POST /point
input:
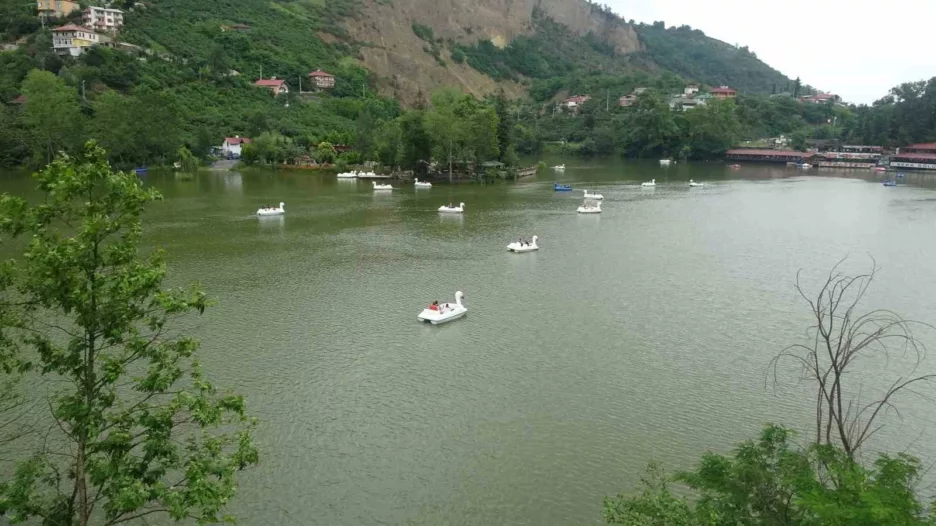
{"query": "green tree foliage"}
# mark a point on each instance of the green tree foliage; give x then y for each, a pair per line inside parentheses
(461, 128)
(187, 161)
(907, 115)
(771, 481)
(711, 129)
(140, 431)
(325, 152)
(690, 54)
(51, 117)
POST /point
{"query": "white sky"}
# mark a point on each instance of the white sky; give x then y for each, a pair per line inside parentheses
(857, 49)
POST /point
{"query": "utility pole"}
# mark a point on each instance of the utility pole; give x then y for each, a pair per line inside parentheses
(608, 102)
(261, 72)
(83, 91)
(300, 84)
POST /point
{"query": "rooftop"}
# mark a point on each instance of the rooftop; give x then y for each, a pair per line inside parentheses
(723, 89)
(270, 82)
(72, 27)
(320, 73)
(923, 146)
(766, 152)
(927, 156)
(237, 140)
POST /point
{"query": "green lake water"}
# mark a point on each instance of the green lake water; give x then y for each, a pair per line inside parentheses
(640, 334)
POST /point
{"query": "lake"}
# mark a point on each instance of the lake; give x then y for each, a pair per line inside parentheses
(640, 334)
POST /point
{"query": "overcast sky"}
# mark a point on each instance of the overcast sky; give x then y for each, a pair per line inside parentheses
(857, 49)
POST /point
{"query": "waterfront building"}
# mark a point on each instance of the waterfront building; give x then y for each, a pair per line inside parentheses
(915, 157)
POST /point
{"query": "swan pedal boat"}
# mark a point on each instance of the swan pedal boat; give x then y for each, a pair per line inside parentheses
(382, 186)
(422, 184)
(452, 209)
(588, 209)
(443, 315)
(693, 184)
(559, 168)
(651, 184)
(594, 197)
(518, 248)
(263, 212)
(347, 175)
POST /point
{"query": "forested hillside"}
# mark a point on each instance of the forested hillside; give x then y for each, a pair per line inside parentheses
(186, 79)
(692, 55)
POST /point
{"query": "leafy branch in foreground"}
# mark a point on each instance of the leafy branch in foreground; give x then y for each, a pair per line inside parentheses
(771, 482)
(138, 430)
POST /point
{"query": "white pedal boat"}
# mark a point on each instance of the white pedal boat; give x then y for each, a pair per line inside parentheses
(590, 209)
(263, 212)
(452, 209)
(446, 311)
(517, 247)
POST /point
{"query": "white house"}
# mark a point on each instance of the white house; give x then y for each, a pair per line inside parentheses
(231, 147)
(103, 18)
(73, 40)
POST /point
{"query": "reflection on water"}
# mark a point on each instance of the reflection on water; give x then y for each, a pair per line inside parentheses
(451, 218)
(271, 222)
(233, 182)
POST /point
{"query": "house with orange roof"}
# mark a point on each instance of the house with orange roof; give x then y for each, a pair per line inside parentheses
(277, 86)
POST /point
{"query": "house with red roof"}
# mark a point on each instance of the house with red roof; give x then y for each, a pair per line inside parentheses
(821, 98)
(322, 80)
(232, 147)
(73, 40)
(277, 86)
(723, 92)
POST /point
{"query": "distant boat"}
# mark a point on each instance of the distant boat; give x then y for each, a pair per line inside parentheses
(141, 170)
(735, 166)
(562, 187)
(899, 175)
(890, 183)
(666, 162)
(559, 168)
(804, 166)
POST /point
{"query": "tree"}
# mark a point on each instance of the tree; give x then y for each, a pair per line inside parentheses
(325, 152)
(415, 145)
(52, 115)
(840, 338)
(140, 431)
(711, 129)
(770, 481)
(187, 161)
(445, 127)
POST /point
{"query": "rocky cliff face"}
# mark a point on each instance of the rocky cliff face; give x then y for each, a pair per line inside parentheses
(394, 52)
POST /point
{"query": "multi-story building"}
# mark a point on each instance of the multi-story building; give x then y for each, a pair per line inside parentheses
(73, 40)
(56, 8)
(103, 18)
(322, 80)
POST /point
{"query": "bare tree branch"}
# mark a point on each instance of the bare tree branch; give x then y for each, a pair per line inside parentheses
(841, 338)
